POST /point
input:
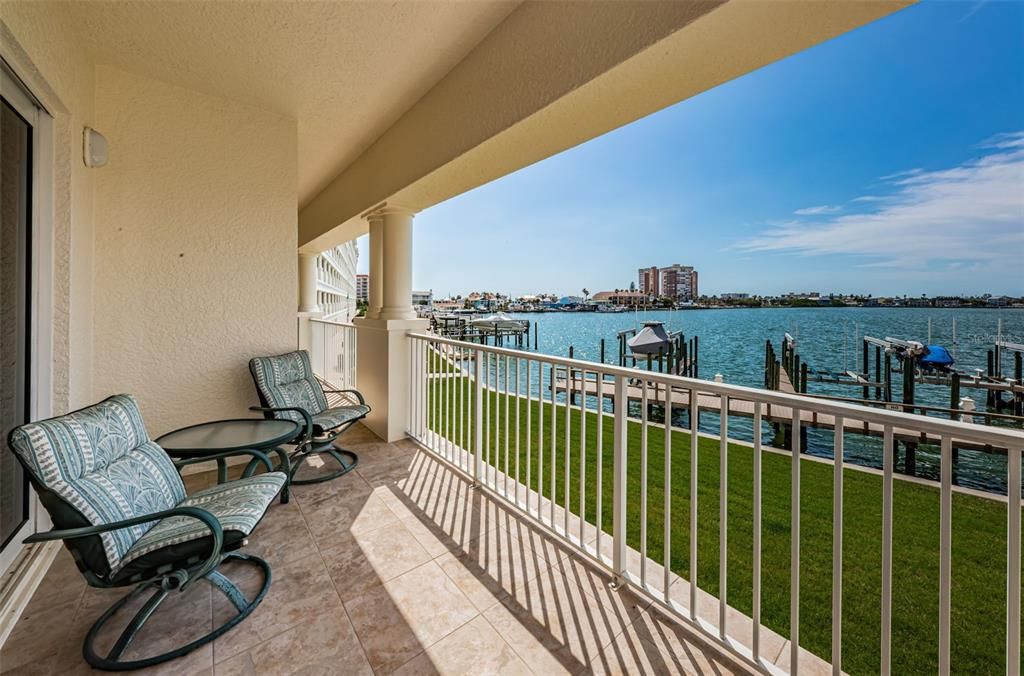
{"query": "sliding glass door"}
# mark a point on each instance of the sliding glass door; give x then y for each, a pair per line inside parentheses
(16, 153)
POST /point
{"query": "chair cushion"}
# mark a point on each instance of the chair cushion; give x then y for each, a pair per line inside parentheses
(238, 505)
(326, 421)
(287, 380)
(101, 463)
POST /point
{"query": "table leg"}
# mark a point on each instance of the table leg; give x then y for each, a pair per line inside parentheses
(286, 467)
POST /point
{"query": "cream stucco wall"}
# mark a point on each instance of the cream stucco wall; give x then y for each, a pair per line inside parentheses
(41, 43)
(195, 248)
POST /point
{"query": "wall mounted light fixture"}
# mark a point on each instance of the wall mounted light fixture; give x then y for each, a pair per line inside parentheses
(94, 148)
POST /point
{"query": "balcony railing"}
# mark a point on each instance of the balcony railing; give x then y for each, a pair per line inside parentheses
(333, 352)
(780, 558)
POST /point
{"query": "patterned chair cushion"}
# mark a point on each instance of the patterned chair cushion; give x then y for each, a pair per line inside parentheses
(327, 420)
(287, 380)
(101, 463)
(238, 505)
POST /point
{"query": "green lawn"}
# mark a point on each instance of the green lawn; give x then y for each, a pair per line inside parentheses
(979, 538)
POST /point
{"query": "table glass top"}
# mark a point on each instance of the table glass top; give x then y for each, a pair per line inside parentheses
(256, 433)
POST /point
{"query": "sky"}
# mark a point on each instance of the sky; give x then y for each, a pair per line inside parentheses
(888, 161)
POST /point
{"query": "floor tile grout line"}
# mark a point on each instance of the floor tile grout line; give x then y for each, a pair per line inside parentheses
(344, 609)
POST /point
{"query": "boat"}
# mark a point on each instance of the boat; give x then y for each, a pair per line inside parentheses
(936, 357)
(651, 339)
(499, 321)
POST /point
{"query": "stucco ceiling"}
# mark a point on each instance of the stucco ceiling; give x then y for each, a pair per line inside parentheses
(346, 71)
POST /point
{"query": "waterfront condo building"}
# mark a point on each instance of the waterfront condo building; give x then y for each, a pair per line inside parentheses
(336, 282)
(650, 282)
(678, 282)
(362, 287)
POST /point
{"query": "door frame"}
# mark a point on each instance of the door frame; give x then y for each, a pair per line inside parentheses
(40, 321)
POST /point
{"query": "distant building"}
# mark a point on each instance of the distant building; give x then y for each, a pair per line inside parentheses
(337, 282)
(734, 296)
(629, 298)
(997, 301)
(423, 299)
(363, 288)
(678, 282)
(650, 282)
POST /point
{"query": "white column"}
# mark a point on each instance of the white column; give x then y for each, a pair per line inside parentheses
(307, 283)
(397, 299)
(382, 343)
(375, 293)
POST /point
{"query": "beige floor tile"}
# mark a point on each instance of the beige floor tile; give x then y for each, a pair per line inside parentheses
(282, 536)
(628, 655)
(738, 625)
(597, 583)
(36, 641)
(491, 566)
(357, 562)
(300, 592)
(61, 584)
(554, 626)
(183, 617)
(350, 513)
(327, 645)
(474, 648)
(397, 621)
(656, 643)
(809, 662)
(349, 486)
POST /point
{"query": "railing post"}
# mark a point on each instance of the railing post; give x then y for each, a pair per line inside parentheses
(478, 417)
(619, 487)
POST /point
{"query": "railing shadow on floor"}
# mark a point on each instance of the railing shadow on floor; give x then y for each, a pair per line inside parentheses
(552, 615)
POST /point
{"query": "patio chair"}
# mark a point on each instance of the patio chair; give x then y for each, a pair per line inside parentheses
(117, 502)
(288, 388)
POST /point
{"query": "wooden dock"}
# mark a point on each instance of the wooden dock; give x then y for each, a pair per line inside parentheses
(771, 413)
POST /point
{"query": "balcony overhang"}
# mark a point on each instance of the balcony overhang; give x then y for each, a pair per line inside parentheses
(554, 75)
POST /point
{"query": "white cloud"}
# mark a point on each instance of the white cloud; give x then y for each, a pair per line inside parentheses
(971, 214)
(817, 211)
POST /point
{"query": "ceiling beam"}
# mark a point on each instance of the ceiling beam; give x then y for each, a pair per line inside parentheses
(554, 75)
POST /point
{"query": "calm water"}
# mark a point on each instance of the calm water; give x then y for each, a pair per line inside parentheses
(732, 343)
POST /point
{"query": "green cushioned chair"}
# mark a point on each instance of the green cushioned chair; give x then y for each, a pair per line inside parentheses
(288, 388)
(117, 502)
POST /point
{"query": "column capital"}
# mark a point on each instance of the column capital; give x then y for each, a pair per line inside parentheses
(390, 209)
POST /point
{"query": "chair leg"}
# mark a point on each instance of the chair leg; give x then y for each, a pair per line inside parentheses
(346, 459)
(113, 662)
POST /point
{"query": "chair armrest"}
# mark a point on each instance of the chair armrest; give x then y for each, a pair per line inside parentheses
(358, 394)
(282, 409)
(208, 519)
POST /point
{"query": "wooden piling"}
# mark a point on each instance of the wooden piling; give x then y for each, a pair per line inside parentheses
(864, 366)
(878, 371)
(908, 384)
(888, 377)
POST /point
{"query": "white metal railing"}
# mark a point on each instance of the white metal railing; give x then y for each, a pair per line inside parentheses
(333, 352)
(494, 413)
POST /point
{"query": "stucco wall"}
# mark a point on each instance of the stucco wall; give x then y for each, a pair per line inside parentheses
(40, 42)
(195, 248)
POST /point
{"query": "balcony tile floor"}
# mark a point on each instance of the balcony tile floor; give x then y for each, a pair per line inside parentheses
(399, 567)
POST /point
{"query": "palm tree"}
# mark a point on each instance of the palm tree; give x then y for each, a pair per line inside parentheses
(586, 294)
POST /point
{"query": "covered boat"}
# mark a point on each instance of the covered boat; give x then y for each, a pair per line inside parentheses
(651, 339)
(936, 357)
(498, 321)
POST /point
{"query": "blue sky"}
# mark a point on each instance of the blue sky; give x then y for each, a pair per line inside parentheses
(889, 160)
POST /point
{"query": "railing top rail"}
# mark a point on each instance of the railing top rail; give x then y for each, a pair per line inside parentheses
(994, 436)
(332, 322)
